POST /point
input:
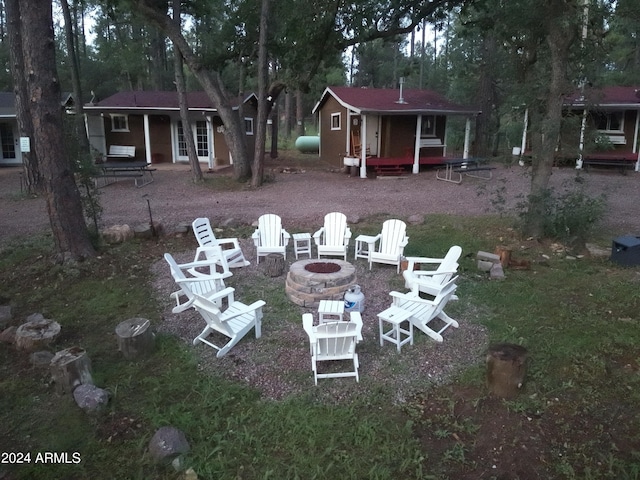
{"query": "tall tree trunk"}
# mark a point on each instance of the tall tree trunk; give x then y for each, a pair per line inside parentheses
(196, 172)
(263, 103)
(234, 133)
(30, 164)
(64, 206)
(72, 54)
(486, 124)
(299, 114)
(275, 127)
(288, 115)
(559, 39)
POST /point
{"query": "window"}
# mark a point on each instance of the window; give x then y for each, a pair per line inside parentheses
(336, 121)
(6, 137)
(248, 125)
(428, 127)
(609, 122)
(119, 123)
(201, 138)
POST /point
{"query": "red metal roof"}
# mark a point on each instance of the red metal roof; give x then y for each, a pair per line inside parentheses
(607, 96)
(387, 100)
(155, 100)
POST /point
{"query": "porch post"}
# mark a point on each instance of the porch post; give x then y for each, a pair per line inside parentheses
(467, 138)
(635, 140)
(348, 119)
(147, 139)
(523, 145)
(583, 128)
(363, 146)
(210, 142)
(416, 146)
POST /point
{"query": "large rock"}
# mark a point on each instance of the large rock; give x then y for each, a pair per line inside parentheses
(117, 233)
(167, 444)
(90, 398)
(8, 335)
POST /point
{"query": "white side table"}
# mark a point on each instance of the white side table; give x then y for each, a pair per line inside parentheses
(398, 335)
(330, 310)
(364, 244)
(302, 244)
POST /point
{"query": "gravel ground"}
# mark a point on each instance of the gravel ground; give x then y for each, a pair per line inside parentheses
(303, 198)
(278, 364)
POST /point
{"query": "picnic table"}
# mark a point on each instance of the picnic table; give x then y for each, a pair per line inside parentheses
(111, 172)
(455, 168)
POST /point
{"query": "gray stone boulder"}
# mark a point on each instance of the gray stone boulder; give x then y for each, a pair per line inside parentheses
(117, 234)
(90, 398)
(167, 444)
(415, 219)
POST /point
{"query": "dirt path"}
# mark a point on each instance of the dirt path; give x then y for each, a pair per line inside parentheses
(303, 198)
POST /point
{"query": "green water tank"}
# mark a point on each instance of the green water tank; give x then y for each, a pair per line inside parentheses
(308, 144)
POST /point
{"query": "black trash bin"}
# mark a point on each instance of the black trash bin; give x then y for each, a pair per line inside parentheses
(626, 250)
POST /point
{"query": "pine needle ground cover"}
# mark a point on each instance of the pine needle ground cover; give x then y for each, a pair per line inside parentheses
(576, 417)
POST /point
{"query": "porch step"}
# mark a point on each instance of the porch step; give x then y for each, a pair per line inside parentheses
(389, 170)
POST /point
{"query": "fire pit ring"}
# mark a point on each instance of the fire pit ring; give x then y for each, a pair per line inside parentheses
(306, 287)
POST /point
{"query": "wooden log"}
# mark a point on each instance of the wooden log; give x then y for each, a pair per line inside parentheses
(36, 334)
(273, 265)
(69, 368)
(506, 366)
(135, 338)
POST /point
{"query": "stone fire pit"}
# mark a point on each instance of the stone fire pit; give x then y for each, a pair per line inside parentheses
(312, 280)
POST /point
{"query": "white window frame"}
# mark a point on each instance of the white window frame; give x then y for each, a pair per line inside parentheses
(608, 116)
(248, 125)
(337, 115)
(125, 119)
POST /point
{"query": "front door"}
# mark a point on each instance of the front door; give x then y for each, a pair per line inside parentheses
(200, 134)
(8, 144)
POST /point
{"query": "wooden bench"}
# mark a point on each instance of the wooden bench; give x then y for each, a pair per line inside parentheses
(122, 151)
(622, 164)
(430, 142)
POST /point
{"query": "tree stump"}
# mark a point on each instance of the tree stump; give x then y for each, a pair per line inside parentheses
(506, 365)
(37, 334)
(69, 368)
(135, 338)
(273, 265)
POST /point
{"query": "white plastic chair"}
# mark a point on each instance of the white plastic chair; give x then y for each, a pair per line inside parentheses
(389, 244)
(270, 237)
(332, 239)
(431, 281)
(192, 282)
(333, 341)
(424, 311)
(206, 238)
(234, 322)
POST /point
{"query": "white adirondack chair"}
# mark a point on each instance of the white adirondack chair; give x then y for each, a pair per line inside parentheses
(270, 237)
(333, 341)
(192, 282)
(431, 281)
(389, 244)
(233, 323)
(333, 238)
(424, 311)
(206, 238)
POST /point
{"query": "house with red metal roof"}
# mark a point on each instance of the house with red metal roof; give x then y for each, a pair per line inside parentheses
(609, 119)
(150, 122)
(388, 130)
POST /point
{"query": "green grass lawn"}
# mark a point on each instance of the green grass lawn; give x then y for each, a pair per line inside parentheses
(578, 318)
